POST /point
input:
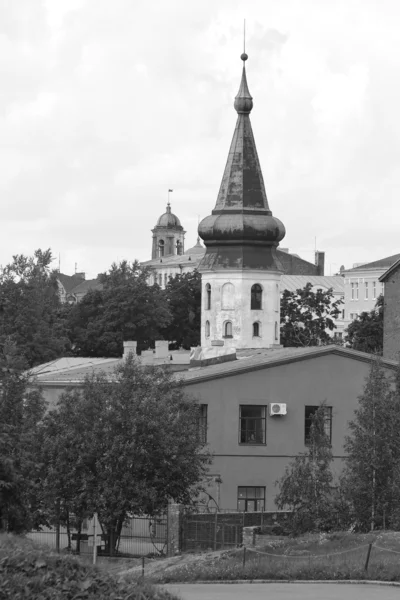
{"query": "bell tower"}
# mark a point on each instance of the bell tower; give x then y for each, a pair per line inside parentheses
(241, 271)
(168, 235)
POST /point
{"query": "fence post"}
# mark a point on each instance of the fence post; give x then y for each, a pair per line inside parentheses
(244, 556)
(142, 567)
(174, 517)
(223, 536)
(94, 539)
(215, 530)
(58, 528)
(368, 555)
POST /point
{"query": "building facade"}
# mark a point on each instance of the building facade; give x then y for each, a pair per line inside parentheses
(391, 312)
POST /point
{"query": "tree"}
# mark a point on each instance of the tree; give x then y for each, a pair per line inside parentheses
(307, 315)
(30, 308)
(306, 487)
(183, 293)
(366, 332)
(20, 422)
(127, 308)
(124, 446)
(372, 474)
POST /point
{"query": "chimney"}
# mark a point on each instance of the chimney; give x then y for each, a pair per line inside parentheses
(80, 275)
(128, 348)
(320, 262)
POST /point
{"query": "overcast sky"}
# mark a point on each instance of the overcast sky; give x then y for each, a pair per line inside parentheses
(105, 104)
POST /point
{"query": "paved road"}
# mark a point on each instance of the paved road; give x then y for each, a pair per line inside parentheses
(284, 591)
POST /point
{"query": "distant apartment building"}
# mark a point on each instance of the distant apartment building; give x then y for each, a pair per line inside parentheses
(362, 287)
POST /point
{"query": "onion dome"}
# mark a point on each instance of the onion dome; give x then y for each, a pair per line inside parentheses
(168, 219)
(242, 216)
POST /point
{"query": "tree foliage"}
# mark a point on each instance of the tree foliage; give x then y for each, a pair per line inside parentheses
(366, 332)
(306, 486)
(183, 293)
(20, 418)
(127, 308)
(372, 474)
(124, 445)
(306, 315)
(30, 308)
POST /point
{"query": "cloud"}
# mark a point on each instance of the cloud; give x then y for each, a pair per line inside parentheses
(107, 105)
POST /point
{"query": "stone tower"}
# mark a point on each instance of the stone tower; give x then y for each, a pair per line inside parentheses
(240, 270)
(168, 235)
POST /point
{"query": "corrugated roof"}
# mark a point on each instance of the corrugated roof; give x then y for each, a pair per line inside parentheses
(383, 263)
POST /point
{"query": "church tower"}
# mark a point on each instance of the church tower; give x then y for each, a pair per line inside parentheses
(168, 236)
(240, 270)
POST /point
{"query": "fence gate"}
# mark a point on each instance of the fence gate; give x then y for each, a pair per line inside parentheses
(210, 532)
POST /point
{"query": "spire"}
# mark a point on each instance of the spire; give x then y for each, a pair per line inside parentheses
(242, 215)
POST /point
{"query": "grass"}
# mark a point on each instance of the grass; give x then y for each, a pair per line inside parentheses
(30, 572)
(324, 557)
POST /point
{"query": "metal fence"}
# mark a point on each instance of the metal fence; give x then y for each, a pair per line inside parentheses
(140, 536)
(208, 529)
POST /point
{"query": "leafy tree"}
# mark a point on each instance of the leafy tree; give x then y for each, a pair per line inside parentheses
(20, 417)
(366, 332)
(306, 487)
(183, 293)
(124, 446)
(307, 315)
(372, 475)
(127, 308)
(30, 308)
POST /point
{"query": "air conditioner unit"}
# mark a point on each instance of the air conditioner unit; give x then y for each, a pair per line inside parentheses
(276, 409)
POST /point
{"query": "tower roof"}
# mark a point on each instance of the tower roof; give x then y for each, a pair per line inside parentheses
(242, 216)
(168, 219)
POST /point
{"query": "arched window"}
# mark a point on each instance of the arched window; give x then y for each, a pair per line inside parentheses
(208, 296)
(276, 331)
(207, 329)
(256, 296)
(160, 280)
(161, 248)
(228, 329)
(228, 296)
(256, 329)
(178, 247)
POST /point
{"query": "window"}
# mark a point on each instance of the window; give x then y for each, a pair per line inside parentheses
(309, 413)
(208, 296)
(366, 290)
(338, 335)
(256, 297)
(207, 328)
(251, 499)
(357, 290)
(161, 248)
(343, 314)
(276, 331)
(160, 280)
(374, 290)
(256, 329)
(178, 248)
(203, 423)
(228, 329)
(352, 291)
(228, 296)
(252, 424)
(165, 279)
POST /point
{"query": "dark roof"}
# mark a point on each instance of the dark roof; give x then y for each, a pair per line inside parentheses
(85, 286)
(391, 270)
(254, 360)
(383, 263)
(69, 281)
(72, 371)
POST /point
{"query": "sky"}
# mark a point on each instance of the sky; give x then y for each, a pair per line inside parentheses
(105, 105)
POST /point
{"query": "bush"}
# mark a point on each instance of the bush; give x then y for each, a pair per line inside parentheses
(33, 573)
